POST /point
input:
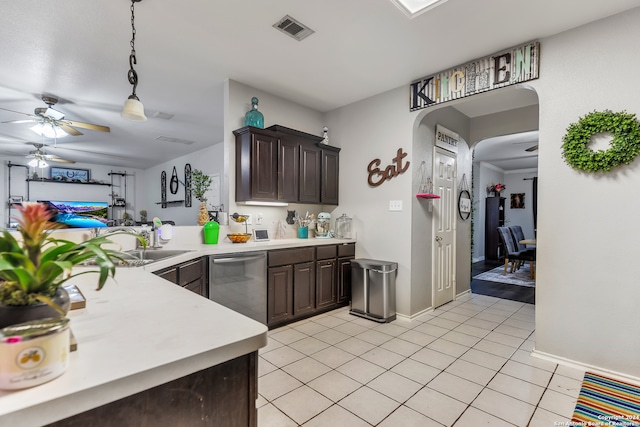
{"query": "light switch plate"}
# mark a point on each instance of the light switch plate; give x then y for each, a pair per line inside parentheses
(395, 205)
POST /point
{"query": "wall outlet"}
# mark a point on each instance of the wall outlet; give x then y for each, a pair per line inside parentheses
(259, 218)
(395, 205)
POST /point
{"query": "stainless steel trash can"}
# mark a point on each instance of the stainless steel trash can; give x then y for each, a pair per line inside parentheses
(373, 289)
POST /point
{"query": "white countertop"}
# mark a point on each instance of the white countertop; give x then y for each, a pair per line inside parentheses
(141, 331)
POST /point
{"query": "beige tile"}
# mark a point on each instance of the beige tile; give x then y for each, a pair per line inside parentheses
(495, 348)
(437, 406)
(302, 404)
(454, 316)
(401, 346)
(355, 346)
(528, 345)
(473, 417)
(527, 325)
(374, 337)
(482, 323)
(369, 405)
(276, 383)
(471, 371)
(513, 331)
(265, 367)
(504, 339)
(565, 385)
(288, 336)
(491, 317)
(406, 417)
(460, 338)
(527, 373)
(261, 401)
(392, 329)
(443, 323)
(544, 418)
(282, 356)
(417, 337)
(482, 358)
(448, 347)
(456, 387)
(310, 328)
(328, 321)
(431, 329)
(361, 370)
(333, 357)
(558, 403)
(306, 369)
(466, 311)
(350, 328)
(433, 358)
(309, 345)
(504, 407)
(336, 416)
(331, 336)
(382, 357)
(334, 385)
(525, 357)
(416, 371)
(270, 416)
(395, 386)
(474, 331)
(567, 371)
(517, 388)
(271, 345)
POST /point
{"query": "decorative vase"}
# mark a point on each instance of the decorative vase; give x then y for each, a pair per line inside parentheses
(203, 214)
(254, 117)
(303, 232)
(14, 314)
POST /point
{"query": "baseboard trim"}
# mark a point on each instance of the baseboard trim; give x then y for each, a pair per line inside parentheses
(584, 366)
(413, 316)
(468, 291)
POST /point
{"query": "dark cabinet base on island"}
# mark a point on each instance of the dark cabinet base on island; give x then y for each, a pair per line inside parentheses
(223, 395)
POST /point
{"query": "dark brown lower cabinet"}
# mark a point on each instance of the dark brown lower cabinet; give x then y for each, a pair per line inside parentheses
(223, 395)
(326, 283)
(191, 275)
(279, 294)
(344, 279)
(304, 284)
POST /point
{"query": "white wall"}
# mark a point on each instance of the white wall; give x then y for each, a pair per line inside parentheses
(486, 174)
(210, 160)
(587, 289)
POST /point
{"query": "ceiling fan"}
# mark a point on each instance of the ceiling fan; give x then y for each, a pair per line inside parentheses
(51, 123)
(39, 155)
(532, 148)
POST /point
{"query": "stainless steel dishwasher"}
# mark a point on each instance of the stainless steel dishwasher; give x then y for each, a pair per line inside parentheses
(239, 281)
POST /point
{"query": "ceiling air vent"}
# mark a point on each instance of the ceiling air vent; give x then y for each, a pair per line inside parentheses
(293, 28)
(175, 140)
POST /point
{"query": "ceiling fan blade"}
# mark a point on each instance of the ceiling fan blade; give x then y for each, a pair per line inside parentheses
(23, 121)
(89, 126)
(533, 148)
(68, 129)
(17, 112)
(50, 158)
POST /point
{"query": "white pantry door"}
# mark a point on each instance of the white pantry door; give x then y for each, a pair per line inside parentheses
(444, 227)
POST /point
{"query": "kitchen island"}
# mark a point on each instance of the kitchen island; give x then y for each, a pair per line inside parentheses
(153, 344)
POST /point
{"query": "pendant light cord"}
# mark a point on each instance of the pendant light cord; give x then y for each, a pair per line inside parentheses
(132, 75)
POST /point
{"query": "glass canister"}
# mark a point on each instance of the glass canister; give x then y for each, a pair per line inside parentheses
(343, 227)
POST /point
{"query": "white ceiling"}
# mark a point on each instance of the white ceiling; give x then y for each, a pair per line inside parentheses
(78, 50)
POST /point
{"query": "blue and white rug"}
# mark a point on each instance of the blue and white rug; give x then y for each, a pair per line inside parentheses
(520, 277)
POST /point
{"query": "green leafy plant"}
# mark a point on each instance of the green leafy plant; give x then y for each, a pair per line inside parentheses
(200, 184)
(34, 267)
(625, 145)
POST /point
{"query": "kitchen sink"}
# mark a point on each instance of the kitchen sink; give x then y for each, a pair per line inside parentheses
(139, 257)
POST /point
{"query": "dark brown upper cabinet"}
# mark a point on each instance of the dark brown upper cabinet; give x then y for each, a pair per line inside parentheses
(285, 165)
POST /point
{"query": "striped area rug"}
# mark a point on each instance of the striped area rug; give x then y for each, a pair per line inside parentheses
(607, 402)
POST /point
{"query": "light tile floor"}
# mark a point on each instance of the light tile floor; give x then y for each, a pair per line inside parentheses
(466, 363)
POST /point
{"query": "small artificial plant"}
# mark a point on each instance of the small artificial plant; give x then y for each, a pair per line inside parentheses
(200, 185)
(34, 267)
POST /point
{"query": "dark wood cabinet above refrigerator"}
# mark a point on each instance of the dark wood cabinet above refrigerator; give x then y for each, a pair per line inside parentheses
(279, 164)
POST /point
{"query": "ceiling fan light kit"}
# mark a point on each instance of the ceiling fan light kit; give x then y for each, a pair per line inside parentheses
(38, 163)
(49, 130)
(133, 108)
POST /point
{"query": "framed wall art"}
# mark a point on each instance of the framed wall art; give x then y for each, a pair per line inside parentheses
(68, 174)
(517, 200)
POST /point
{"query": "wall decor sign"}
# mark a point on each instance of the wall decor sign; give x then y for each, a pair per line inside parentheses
(68, 174)
(187, 185)
(378, 176)
(515, 65)
(447, 139)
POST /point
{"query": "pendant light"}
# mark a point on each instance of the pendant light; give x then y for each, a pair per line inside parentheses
(133, 108)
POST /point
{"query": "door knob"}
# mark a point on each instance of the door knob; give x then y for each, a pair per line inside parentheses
(438, 239)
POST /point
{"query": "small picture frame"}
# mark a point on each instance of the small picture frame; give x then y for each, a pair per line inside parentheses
(260, 234)
(517, 201)
(69, 174)
(15, 199)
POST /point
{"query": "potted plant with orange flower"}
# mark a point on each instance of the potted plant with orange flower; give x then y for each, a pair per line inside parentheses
(34, 267)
